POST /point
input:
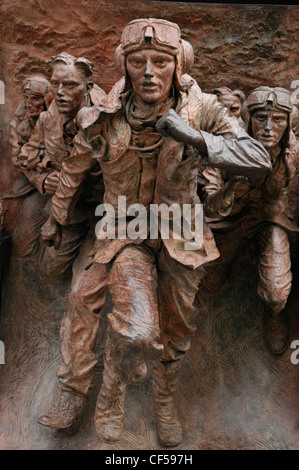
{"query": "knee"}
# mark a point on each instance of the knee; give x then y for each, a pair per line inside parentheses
(275, 298)
(136, 333)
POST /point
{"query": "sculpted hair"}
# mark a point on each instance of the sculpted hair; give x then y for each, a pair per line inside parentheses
(81, 62)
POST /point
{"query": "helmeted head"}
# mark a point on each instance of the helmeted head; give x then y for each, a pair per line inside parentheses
(158, 35)
(70, 81)
(269, 115)
(231, 99)
(37, 95)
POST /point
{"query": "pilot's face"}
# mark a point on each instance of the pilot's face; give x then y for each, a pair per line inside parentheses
(69, 86)
(268, 126)
(151, 73)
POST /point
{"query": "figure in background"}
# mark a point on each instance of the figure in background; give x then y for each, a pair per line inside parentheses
(232, 100)
(23, 199)
(257, 209)
(149, 143)
(50, 143)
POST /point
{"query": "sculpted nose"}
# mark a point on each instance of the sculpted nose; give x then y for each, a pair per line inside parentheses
(268, 124)
(60, 89)
(148, 70)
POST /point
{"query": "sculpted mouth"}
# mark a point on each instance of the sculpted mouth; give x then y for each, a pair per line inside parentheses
(149, 86)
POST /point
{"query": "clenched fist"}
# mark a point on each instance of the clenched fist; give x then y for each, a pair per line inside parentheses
(51, 182)
(171, 124)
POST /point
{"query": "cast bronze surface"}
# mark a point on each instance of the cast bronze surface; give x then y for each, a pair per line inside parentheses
(232, 393)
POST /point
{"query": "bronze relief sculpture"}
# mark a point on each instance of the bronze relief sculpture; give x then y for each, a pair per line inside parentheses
(258, 209)
(155, 141)
(50, 142)
(37, 98)
(149, 138)
(232, 100)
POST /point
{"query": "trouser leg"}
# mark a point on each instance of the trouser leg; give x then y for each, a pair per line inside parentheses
(275, 277)
(275, 280)
(176, 291)
(177, 287)
(81, 321)
(134, 320)
(79, 329)
(24, 221)
(133, 335)
(78, 336)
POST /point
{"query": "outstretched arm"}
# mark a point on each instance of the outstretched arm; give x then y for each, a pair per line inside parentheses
(220, 141)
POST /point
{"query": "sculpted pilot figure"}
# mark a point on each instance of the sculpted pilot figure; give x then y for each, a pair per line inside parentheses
(149, 159)
(51, 142)
(258, 209)
(24, 199)
(232, 100)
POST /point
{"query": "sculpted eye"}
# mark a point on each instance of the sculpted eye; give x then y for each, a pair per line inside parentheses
(54, 83)
(161, 62)
(136, 62)
(261, 117)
